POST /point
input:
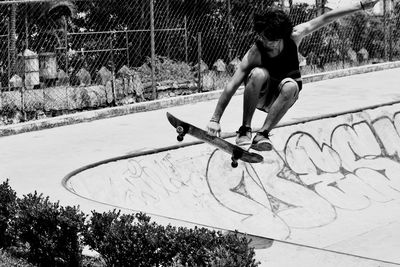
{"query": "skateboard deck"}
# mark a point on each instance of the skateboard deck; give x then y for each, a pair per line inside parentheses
(236, 152)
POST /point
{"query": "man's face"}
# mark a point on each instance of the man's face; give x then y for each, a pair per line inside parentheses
(269, 44)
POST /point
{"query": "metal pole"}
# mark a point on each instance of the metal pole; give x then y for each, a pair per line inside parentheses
(153, 54)
(385, 41)
(229, 31)
(127, 48)
(186, 41)
(66, 51)
(112, 35)
(13, 38)
(142, 24)
(390, 37)
(199, 60)
(167, 33)
(66, 62)
(9, 53)
(26, 30)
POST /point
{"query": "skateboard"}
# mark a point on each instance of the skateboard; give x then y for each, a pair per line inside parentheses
(236, 152)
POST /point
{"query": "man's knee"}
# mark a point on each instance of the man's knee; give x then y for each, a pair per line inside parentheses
(290, 91)
(259, 75)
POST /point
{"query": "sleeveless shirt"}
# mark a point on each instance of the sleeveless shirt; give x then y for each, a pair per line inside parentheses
(284, 65)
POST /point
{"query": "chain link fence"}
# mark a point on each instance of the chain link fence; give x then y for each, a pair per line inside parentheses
(64, 56)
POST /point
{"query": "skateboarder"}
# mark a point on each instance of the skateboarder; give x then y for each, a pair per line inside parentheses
(270, 72)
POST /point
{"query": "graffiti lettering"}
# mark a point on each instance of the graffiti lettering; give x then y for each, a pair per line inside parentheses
(305, 183)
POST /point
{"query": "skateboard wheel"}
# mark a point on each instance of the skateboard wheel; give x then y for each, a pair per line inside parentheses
(179, 138)
(234, 164)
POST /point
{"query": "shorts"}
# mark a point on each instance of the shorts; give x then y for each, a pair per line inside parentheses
(270, 92)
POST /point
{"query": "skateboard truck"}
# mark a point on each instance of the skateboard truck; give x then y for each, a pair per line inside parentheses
(236, 155)
(181, 133)
(234, 162)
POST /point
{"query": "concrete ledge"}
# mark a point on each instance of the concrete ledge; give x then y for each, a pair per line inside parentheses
(165, 103)
(350, 71)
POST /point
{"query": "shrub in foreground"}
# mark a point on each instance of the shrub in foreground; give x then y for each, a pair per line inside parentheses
(48, 234)
(131, 240)
(203, 247)
(8, 209)
(7, 260)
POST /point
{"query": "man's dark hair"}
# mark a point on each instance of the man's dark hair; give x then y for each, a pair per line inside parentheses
(274, 23)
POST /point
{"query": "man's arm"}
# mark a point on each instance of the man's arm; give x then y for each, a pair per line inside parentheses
(243, 69)
(304, 29)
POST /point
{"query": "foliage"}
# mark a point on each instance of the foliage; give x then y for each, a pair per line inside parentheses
(233, 251)
(7, 260)
(166, 69)
(8, 207)
(90, 261)
(203, 247)
(128, 240)
(132, 240)
(48, 234)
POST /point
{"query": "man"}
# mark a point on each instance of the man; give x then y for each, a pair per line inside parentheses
(270, 72)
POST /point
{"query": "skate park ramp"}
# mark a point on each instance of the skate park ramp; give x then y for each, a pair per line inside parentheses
(327, 195)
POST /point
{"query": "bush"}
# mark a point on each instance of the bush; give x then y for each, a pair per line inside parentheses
(233, 251)
(131, 240)
(8, 207)
(48, 235)
(203, 247)
(8, 260)
(128, 240)
(165, 69)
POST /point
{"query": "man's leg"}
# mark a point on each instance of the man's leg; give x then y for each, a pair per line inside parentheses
(288, 95)
(256, 81)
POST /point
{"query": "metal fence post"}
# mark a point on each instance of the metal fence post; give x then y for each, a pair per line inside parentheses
(229, 31)
(152, 42)
(127, 49)
(13, 38)
(66, 50)
(199, 60)
(8, 53)
(186, 41)
(26, 30)
(112, 35)
(385, 31)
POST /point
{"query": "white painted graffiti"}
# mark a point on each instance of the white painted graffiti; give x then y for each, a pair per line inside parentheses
(307, 182)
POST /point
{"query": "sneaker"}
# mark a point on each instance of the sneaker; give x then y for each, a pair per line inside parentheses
(243, 136)
(261, 142)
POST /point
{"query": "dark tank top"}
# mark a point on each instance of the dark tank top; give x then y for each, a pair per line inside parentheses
(284, 65)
